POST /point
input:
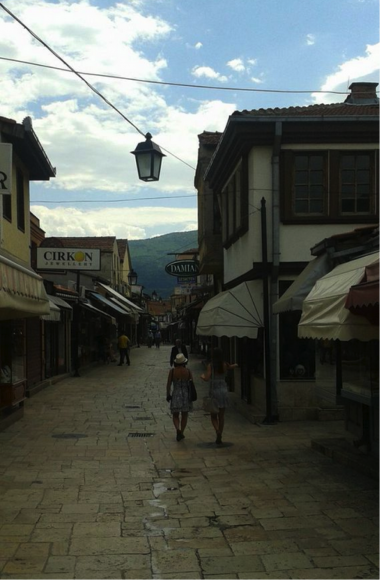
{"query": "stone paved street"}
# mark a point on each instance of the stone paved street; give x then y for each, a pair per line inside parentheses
(94, 485)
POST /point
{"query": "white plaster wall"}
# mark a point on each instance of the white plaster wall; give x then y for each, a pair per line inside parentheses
(239, 258)
(295, 240)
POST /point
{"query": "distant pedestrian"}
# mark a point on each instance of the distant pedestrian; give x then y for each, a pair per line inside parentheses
(123, 344)
(157, 339)
(218, 392)
(179, 398)
(178, 348)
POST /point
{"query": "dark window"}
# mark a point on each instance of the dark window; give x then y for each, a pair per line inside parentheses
(355, 183)
(235, 205)
(20, 200)
(297, 355)
(7, 207)
(216, 215)
(329, 186)
(309, 184)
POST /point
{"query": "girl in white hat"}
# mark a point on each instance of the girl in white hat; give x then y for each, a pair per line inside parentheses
(180, 401)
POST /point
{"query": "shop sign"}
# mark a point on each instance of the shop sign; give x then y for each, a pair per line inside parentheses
(186, 281)
(68, 259)
(183, 268)
(5, 168)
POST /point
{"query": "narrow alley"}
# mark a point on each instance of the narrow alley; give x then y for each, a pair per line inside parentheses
(94, 485)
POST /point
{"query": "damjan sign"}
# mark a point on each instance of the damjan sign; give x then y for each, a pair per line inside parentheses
(68, 259)
(183, 268)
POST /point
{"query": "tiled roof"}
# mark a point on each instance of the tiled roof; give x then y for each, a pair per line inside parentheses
(6, 120)
(208, 138)
(121, 245)
(186, 252)
(157, 308)
(100, 243)
(334, 110)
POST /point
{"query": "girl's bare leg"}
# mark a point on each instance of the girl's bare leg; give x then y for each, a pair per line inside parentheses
(184, 421)
(221, 420)
(215, 421)
(176, 420)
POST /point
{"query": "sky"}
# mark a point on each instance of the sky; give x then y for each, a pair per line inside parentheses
(318, 46)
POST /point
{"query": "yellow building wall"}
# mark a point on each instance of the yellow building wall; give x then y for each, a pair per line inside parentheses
(15, 241)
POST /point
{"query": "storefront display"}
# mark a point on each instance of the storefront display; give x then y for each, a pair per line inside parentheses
(12, 363)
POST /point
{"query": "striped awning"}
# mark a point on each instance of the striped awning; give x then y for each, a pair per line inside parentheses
(22, 292)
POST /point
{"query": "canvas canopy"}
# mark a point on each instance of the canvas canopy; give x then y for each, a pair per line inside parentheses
(119, 297)
(324, 314)
(22, 292)
(236, 312)
(293, 298)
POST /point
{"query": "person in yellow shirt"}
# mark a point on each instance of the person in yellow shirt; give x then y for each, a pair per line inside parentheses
(123, 344)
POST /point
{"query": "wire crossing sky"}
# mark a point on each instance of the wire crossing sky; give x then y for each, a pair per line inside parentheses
(174, 69)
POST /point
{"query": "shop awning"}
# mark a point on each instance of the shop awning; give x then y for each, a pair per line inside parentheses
(126, 308)
(363, 298)
(119, 296)
(91, 308)
(22, 292)
(55, 313)
(108, 303)
(324, 314)
(235, 312)
(59, 302)
(293, 298)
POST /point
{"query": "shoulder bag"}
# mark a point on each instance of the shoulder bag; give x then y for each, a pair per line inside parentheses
(192, 390)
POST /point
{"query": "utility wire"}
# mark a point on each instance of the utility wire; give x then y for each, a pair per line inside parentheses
(166, 83)
(86, 82)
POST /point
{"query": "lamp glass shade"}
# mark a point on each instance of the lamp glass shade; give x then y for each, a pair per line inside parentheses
(148, 159)
(132, 278)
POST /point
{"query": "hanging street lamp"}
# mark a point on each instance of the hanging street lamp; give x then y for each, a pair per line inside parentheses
(148, 159)
(132, 278)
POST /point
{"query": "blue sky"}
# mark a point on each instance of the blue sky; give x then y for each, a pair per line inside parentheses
(297, 45)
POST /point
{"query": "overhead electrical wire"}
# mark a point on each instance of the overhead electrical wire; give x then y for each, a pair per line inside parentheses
(86, 82)
(166, 83)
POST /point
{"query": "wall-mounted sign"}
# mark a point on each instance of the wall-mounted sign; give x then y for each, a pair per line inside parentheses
(68, 259)
(183, 268)
(5, 168)
(186, 281)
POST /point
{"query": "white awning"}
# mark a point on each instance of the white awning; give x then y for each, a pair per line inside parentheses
(55, 313)
(119, 297)
(235, 312)
(91, 308)
(324, 314)
(293, 298)
(59, 302)
(22, 292)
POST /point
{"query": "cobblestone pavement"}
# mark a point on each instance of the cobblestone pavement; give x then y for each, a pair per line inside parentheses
(93, 484)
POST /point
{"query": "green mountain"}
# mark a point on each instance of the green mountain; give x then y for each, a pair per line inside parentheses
(149, 258)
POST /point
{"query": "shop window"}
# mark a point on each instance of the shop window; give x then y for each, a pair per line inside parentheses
(12, 351)
(297, 355)
(360, 369)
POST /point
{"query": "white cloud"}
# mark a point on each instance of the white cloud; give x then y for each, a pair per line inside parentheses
(198, 45)
(236, 64)
(257, 80)
(208, 72)
(119, 222)
(310, 39)
(365, 68)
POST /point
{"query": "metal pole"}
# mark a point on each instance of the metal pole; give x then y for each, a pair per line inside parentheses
(76, 330)
(267, 350)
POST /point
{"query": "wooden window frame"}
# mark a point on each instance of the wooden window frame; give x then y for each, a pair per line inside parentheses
(236, 226)
(332, 212)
